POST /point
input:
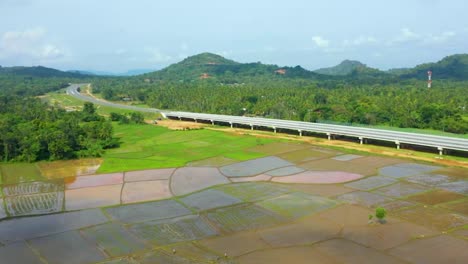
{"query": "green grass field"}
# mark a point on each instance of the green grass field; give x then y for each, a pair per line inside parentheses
(147, 146)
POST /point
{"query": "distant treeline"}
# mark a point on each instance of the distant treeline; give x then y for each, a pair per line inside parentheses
(406, 103)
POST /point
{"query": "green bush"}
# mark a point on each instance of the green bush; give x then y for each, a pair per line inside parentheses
(380, 213)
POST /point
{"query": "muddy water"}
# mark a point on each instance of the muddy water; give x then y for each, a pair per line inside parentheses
(69, 168)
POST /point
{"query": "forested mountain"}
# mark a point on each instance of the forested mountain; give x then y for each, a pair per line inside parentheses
(39, 71)
(453, 67)
(345, 67)
(215, 67)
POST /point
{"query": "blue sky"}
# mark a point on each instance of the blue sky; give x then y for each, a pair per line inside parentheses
(118, 35)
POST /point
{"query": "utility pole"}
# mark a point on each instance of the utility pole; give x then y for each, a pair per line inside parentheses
(429, 79)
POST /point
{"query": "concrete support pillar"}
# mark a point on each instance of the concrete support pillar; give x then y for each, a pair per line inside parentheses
(230, 124)
(361, 140)
(329, 136)
(195, 120)
(251, 127)
(397, 144)
(274, 129)
(441, 151)
(212, 122)
(300, 133)
(180, 118)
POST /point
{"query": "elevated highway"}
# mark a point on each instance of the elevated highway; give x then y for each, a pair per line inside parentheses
(441, 143)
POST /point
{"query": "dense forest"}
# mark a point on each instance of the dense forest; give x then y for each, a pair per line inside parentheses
(209, 83)
(31, 130)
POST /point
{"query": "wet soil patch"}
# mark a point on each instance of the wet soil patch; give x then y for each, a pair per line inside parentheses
(436, 197)
(440, 249)
(135, 213)
(69, 246)
(371, 183)
(254, 167)
(169, 231)
(296, 205)
(243, 217)
(209, 199)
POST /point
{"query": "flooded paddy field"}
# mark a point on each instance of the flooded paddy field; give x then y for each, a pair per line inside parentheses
(294, 203)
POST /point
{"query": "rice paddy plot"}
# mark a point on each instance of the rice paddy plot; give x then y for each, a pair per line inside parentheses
(209, 199)
(439, 249)
(307, 231)
(33, 187)
(418, 167)
(37, 226)
(436, 197)
(169, 231)
(458, 186)
(279, 147)
(252, 191)
(371, 183)
(148, 175)
(347, 157)
(18, 252)
(135, 213)
(382, 237)
(397, 172)
(344, 251)
(402, 189)
(309, 154)
(145, 191)
(33, 204)
(428, 179)
(114, 239)
(236, 244)
(285, 171)
(160, 256)
(366, 199)
(458, 206)
(296, 205)
(193, 252)
(254, 167)
(397, 205)
(92, 197)
(67, 247)
(432, 217)
(244, 217)
(190, 179)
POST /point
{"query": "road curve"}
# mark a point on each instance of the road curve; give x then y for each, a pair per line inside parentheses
(439, 142)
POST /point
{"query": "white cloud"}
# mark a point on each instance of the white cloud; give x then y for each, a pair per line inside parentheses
(320, 41)
(361, 40)
(444, 36)
(406, 35)
(155, 55)
(30, 46)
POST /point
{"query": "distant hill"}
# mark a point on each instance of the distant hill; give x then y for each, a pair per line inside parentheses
(39, 71)
(132, 72)
(213, 66)
(451, 67)
(350, 67)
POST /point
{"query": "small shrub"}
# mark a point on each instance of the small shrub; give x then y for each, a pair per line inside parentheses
(380, 213)
(370, 217)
